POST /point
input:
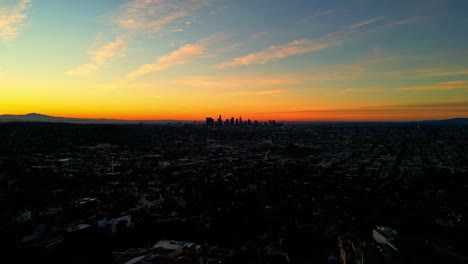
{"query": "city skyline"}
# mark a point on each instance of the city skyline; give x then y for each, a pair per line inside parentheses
(299, 60)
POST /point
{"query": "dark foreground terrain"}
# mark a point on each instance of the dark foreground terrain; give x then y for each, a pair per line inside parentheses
(323, 193)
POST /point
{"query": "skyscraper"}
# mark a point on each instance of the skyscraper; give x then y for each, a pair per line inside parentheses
(210, 121)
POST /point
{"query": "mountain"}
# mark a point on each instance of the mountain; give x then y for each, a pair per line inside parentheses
(33, 117)
(450, 121)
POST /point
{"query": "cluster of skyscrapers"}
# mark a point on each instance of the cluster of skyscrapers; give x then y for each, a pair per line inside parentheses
(210, 122)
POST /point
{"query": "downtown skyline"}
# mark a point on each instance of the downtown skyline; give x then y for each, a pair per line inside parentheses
(293, 60)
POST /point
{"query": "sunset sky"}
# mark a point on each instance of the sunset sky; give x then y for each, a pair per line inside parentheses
(260, 59)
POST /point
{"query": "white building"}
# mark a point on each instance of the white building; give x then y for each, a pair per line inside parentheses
(385, 235)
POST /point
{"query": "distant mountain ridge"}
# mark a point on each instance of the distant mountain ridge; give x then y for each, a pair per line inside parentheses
(34, 117)
(450, 121)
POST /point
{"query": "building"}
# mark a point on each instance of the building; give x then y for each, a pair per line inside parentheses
(385, 235)
(170, 251)
(209, 121)
(351, 251)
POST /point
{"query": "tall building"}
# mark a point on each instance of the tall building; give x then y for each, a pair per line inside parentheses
(220, 121)
(231, 123)
(209, 121)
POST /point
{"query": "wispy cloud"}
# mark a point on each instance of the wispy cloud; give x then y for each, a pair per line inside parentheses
(351, 90)
(429, 72)
(151, 16)
(431, 107)
(277, 52)
(258, 35)
(367, 22)
(145, 17)
(239, 81)
(323, 13)
(100, 57)
(303, 46)
(180, 56)
(273, 93)
(12, 19)
(440, 86)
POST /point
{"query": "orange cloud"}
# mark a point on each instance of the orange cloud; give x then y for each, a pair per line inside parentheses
(440, 86)
(303, 46)
(429, 72)
(179, 56)
(351, 90)
(235, 81)
(272, 92)
(12, 20)
(460, 107)
(277, 52)
(101, 56)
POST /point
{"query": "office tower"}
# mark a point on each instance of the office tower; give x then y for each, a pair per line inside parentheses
(209, 121)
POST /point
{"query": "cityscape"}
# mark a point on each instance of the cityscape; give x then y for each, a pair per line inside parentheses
(191, 193)
(234, 131)
(210, 122)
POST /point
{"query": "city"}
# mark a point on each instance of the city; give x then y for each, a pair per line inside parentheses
(183, 193)
(234, 131)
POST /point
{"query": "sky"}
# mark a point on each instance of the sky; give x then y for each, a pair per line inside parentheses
(291, 60)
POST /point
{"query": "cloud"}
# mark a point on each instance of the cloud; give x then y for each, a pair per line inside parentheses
(151, 16)
(272, 92)
(277, 52)
(180, 56)
(12, 20)
(303, 46)
(100, 57)
(143, 17)
(351, 90)
(440, 86)
(340, 72)
(429, 72)
(258, 35)
(322, 14)
(367, 22)
(424, 108)
(238, 81)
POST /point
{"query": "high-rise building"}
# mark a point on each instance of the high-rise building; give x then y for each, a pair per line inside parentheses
(220, 121)
(209, 121)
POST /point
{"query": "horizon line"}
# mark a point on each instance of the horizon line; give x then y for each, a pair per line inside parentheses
(204, 120)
